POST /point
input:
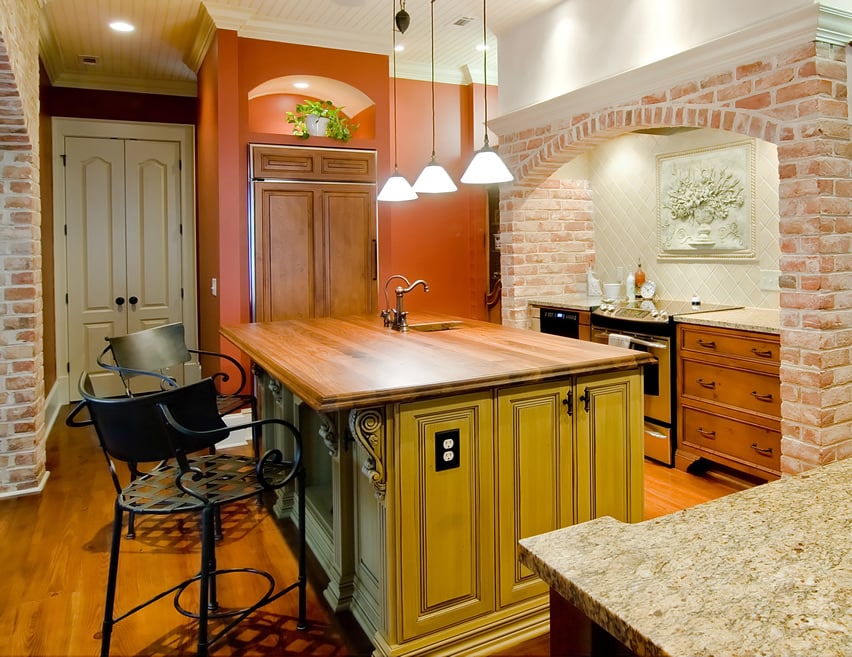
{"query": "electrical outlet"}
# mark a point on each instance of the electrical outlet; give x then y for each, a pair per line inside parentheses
(446, 450)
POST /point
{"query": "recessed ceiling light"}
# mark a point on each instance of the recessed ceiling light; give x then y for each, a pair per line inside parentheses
(121, 26)
(399, 47)
(301, 85)
(480, 47)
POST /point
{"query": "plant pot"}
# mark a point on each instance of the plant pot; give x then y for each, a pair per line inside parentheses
(316, 125)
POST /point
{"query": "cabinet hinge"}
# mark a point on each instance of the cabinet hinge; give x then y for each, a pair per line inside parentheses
(68, 367)
(181, 293)
(63, 156)
(66, 298)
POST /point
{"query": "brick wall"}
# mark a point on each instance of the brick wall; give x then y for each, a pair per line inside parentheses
(22, 431)
(797, 100)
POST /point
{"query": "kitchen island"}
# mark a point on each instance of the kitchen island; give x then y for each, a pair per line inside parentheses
(766, 571)
(441, 447)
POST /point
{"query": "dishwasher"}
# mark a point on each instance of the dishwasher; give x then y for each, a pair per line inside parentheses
(560, 322)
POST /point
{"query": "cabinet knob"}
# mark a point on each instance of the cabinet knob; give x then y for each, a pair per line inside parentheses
(706, 433)
(761, 450)
(707, 384)
(133, 300)
(707, 344)
(119, 301)
(763, 354)
(568, 402)
(764, 398)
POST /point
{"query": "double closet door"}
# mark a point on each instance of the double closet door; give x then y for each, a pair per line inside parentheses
(315, 250)
(123, 243)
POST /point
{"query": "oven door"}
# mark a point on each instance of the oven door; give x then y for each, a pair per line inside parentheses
(658, 382)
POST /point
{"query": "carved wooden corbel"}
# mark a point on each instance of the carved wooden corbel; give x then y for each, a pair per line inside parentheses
(328, 433)
(368, 427)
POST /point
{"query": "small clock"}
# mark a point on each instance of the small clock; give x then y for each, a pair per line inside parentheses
(648, 289)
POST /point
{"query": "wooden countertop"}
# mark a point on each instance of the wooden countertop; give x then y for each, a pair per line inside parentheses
(339, 363)
(766, 571)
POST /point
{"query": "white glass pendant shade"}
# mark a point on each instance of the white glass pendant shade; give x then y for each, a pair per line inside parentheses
(434, 179)
(486, 168)
(397, 189)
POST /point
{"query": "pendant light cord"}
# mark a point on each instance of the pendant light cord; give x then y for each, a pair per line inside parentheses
(432, 37)
(393, 31)
(485, 70)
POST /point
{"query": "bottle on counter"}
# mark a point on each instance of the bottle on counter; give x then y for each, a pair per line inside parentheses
(630, 286)
(639, 276)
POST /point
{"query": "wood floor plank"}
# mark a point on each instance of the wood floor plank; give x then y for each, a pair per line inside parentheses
(54, 554)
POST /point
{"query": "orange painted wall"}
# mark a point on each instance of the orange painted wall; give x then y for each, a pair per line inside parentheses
(440, 239)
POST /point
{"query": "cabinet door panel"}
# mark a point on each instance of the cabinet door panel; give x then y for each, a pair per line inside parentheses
(609, 447)
(534, 478)
(285, 279)
(350, 242)
(445, 518)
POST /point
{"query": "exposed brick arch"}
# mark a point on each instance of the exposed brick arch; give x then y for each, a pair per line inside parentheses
(797, 100)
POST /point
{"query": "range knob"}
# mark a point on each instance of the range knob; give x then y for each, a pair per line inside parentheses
(664, 315)
(655, 313)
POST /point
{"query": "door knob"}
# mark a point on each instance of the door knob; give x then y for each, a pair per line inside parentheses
(119, 301)
(133, 301)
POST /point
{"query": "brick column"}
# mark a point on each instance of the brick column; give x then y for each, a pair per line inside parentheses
(22, 424)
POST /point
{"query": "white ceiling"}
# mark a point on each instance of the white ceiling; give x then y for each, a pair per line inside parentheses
(163, 53)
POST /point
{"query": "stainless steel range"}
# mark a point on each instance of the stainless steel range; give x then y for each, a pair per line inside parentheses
(648, 325)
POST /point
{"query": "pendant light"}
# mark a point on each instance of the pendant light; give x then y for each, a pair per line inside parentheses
(396, 188)
(434, 179)
(486, 168)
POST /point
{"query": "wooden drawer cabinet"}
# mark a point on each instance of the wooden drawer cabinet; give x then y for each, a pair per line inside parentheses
(727, 438)
(729, 399)
(752, 391)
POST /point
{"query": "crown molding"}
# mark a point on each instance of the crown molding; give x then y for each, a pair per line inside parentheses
(108, 83)
(204, 34)
(779, 33)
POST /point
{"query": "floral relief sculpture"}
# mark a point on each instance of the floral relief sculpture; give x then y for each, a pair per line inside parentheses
(704, 202)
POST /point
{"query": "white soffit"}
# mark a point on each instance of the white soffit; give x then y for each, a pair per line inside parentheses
(788, 30)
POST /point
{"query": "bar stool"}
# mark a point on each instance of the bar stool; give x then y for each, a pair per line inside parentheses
(168, 426)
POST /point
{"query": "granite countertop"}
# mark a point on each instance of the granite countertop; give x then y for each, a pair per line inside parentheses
(765, 572)
(765, 320)
(567, 302)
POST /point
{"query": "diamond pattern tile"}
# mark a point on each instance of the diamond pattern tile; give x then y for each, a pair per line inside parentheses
(623, 181)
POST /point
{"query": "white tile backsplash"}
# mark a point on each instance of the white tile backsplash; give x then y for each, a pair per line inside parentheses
(622, 174)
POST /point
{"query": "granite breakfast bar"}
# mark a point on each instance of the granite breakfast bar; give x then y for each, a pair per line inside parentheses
(763, 572)
(441, 447)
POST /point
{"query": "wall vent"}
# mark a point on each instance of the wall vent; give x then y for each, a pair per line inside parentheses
(89, 60)
(464, 20)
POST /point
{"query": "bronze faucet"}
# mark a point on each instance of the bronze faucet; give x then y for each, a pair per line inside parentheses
(396, 317)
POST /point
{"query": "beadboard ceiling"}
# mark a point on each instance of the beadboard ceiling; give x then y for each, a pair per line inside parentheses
(163, 54)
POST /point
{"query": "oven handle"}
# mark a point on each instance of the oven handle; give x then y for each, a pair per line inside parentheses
(648, 343)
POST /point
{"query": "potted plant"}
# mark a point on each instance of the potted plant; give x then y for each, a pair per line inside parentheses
(320, 118)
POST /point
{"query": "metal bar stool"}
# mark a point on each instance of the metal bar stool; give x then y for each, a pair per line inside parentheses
(169, 426)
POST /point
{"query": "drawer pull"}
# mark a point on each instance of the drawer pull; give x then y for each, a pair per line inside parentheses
(707, 344)
(761, 450)
(764, 398)
(708, 384)
(706, 433)
(762, 354)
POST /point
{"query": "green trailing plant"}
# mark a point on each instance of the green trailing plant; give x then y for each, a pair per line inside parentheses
(339, 127)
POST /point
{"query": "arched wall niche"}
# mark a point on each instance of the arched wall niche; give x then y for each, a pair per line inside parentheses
(269, 102)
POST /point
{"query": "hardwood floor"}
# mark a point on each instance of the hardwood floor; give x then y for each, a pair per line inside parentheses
(54, 551)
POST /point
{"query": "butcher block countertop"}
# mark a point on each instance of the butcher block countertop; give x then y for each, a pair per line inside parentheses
(763, 572)
(351, 362)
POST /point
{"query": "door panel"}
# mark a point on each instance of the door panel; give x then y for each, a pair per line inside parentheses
(284, 248)
(123, 216)
(349, 241)
(153, 233)
(95, 203)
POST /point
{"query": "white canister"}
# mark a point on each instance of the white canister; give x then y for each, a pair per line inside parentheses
(612, 290)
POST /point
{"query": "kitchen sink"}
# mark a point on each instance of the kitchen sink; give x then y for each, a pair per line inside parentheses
(435, 326)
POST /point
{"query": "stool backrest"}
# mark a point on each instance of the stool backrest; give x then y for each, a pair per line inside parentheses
(151, 350)
(133, 429)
